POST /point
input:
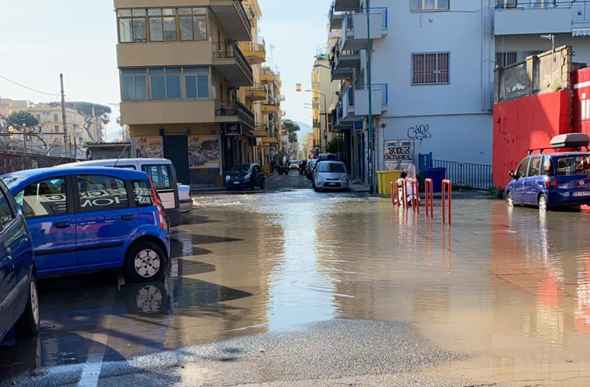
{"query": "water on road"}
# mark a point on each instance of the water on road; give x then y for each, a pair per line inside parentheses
(506, 290)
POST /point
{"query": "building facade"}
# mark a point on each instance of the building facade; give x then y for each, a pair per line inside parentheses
(181, 69)
(432, 71)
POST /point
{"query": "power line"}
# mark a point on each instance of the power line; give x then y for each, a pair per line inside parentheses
(27, 87)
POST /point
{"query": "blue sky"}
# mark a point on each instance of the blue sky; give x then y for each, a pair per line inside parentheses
(40, 39)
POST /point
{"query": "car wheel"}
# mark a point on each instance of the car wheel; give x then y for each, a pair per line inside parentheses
(28, 323)
(145, 262)
(542, 203)
(509, 200)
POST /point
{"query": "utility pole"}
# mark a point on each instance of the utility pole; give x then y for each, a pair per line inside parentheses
(63, 114)
(370, 90)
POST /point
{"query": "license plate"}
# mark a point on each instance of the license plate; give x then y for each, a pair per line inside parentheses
(581, 194)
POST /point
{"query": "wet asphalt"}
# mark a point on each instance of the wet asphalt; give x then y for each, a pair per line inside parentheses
(291, 287)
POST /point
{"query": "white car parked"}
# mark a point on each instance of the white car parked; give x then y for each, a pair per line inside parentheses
(330, 175)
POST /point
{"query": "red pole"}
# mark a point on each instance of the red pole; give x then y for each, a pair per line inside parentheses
(447, 194)
(405, 192)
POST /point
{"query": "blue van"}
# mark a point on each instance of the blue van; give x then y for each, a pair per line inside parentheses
(89, 219)
(549, 181)
(19, 305)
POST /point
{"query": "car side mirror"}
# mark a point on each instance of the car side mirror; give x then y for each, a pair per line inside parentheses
(513, 175)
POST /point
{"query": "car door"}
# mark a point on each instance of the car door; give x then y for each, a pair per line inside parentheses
(103, 217)
(47, 205)
(531, 187)
(7, 269)
(518, 187)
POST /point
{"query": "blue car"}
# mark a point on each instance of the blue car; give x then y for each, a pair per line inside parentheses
(89, 219)
(549, 181)
(19, 306)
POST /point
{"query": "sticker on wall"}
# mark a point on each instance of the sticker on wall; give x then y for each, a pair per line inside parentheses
(204, 152)
(150, 147)
(398, 153)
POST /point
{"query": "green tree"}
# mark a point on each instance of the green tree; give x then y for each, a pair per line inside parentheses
(23, 120)
(292, 128)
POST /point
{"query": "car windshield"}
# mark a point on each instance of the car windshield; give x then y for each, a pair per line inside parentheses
(241, 169)
(573, 166)
(332, 168)
(10, 180)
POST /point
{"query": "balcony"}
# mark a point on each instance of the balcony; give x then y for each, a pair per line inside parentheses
(267, 76)
(256, 93)
(231, 63)
(234, 113)
(346, 5)
(233, 19)
(344, 62)
(532, 17)
(167, 112)
(261, 131)
(355, 33)
(269, 107)
(379, 101)
(254, 52)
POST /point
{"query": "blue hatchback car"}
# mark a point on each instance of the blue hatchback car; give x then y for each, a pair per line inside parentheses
(550, 181)
(19, 306)
(89, 219)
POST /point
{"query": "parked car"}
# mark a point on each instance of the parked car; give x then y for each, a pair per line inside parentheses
(294, 164)
(19, 305)
(86, 219)
(245, 176)
(331, 175)
(310, 169)
(327, 157)
(176, 197)
(554, 180)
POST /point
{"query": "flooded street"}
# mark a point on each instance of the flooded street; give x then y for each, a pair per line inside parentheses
(259, 281)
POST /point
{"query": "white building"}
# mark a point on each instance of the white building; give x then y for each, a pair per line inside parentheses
(433, 67)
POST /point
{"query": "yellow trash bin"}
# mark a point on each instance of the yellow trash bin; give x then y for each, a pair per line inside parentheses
(385, 178)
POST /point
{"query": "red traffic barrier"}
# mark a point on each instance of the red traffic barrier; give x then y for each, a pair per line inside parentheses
(447, 202)
(429, 197)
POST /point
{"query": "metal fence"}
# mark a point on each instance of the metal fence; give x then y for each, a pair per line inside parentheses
(13, 161)
(469, 175)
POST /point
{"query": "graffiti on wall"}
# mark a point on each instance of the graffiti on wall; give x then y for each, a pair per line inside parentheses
(204, 152)
(150, 147)
(419, 132)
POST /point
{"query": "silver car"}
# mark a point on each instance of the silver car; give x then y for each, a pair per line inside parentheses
(330, 175)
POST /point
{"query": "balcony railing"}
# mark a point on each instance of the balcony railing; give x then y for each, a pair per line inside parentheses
(242, 12)
(236, 110)
(233, 52)
(509, 4)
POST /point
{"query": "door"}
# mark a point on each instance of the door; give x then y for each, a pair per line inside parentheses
(533, 181)
(176, 150)
(518, 184)
(7, 270)
(103, 217)
(46, 206)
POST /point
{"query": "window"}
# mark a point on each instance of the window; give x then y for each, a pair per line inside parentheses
(197, 83)
(522, 168)
(573, 166)
(55, 117)
(143, 194)
(160, 175)
(332, 168)
(165, 83)
(169, 22)
(192, 23)
(535, 168)
(430, 69)
(132, 25)
(156, 27)
(506, 3)
(6, 215)
(45, 198)
(505, 59)
(133, 84)
(102, 193)
(429, 5)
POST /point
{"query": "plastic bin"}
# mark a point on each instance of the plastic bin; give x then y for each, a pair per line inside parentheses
(437, 175)
(384, 179)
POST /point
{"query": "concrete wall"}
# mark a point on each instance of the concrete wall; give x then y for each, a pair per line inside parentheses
(525, 45)
(533, 21)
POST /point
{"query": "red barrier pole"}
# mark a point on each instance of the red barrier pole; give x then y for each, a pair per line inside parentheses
(447, 195)
(416, 193)
(429, 197)
(405, 192)
(394, 193)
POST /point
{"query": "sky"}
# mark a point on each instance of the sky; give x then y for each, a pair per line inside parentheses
(41, 39)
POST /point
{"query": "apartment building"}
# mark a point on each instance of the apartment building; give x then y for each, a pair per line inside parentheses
(432, 71)
(181, 69)
(324, 99)
(272, 114)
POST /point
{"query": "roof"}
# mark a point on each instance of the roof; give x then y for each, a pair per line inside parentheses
(18, 180)
(119, 162)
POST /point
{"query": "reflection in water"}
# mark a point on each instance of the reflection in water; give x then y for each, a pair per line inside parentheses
(509, 285)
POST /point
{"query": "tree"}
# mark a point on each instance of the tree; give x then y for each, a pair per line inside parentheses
(292, 128)
(22, 120)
